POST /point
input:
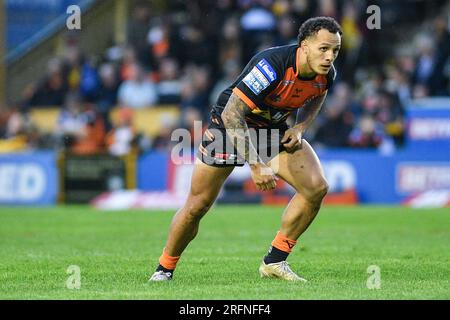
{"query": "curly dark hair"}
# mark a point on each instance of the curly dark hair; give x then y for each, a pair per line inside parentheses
(313, 25)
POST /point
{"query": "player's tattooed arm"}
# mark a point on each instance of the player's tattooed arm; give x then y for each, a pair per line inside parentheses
(233, 117)
(309, 112)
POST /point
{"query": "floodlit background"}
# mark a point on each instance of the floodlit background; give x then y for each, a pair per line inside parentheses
(129, 73)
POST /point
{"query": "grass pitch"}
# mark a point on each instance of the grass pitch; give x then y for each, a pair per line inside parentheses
(117, 251)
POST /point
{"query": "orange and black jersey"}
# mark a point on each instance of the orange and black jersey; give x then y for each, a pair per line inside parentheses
(271, 86)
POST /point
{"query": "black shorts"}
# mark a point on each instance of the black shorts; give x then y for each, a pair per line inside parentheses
(217, 149)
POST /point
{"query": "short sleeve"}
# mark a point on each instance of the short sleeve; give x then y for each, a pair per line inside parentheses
(258, 79)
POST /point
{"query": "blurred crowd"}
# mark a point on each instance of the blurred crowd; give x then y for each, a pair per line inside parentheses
(186, 52)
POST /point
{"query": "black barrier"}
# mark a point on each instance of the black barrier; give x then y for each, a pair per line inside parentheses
(84, 177)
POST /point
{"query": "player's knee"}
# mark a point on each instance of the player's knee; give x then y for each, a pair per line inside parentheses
(198, 207)
(319, 191)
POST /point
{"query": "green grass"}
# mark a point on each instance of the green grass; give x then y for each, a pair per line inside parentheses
(117, 251)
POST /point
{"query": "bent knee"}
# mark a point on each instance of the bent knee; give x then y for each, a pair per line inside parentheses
(320, 190)
(198, 207)
(317, 191)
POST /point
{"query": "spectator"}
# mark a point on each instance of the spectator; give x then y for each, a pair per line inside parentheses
(107, 93)
(158, 39)
(338, 124)
(80, 130)
(169, 86)
(366, 134)
(71, 121)
(287, 30)
(122, 138)
(391, 116)
(352, 42)
(440, 79)
(89, 81)
(302, 10)
(195, 48)
(425, 63)
(281, 7)
(4, 116)
(398, 85)
(138, 92)
(230, 47)
(14, 137)
(328, 8)
(129, 60)
(92, 140)
(72, 64)
(195, 90)
(162, 141)
(369, 95)
(190, 120)
(137, 32)
(230, 71)
(52, 89)
(257, 23)
(16, 124)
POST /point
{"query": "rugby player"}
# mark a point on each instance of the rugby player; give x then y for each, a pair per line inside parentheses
(275, 83)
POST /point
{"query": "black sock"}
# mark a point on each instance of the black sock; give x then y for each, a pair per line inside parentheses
(161, 268)
(275, 255)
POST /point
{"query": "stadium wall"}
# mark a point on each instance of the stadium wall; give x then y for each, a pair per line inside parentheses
(376, 176)
(28, 179)
(32, 178)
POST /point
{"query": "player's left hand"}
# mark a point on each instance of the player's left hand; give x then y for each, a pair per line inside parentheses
(292, 139)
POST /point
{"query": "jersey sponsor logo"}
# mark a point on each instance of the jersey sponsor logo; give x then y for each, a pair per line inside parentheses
(267, 69)
(256, 81)
(259, 75)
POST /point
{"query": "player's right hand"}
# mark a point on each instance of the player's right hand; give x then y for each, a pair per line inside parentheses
(263, 177)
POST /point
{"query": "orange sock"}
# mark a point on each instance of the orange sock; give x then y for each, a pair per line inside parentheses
(282, 243)
(167, 261)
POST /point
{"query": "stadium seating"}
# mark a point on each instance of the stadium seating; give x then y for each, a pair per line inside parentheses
(45, 119)
(150, 121)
